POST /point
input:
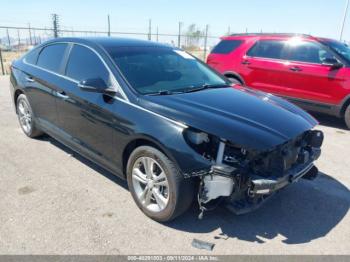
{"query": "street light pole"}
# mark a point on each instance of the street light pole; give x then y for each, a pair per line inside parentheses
(344, 19)
(149, 29)
(109, 26)
(205, 42)
(179, 36)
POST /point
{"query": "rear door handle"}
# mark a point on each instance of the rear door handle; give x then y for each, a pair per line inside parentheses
(295, 69)
(30, 79)
(246, 62)
(62, 94)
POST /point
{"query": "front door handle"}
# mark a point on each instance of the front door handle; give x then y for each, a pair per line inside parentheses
(246, 62)
(295, 69)
(30, 79)
(62, 94)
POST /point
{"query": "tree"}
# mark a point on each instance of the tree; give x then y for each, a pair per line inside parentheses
(193, 36)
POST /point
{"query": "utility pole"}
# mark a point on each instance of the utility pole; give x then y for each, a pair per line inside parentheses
(157, 35)
(56, 24)
(19, 39)
(149, 29)
(2, 63)
(34, 36)
(206, 41)
(179, 36)
(109, 26)
(228, 30)
(344, 19)
(30, 34)
(8, 37)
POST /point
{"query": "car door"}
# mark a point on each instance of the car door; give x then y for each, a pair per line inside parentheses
(85, 117)
(263, 66)
(42, 80)
(308, 78)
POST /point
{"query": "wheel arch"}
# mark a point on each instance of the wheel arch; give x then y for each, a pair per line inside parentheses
(16, 94)
(234, 75)
(344, 105)
(143, 140)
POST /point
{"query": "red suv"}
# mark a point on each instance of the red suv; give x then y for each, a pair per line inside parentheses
(310, 71)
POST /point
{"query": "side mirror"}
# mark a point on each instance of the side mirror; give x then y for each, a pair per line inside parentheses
(96, 85)
(332, 62)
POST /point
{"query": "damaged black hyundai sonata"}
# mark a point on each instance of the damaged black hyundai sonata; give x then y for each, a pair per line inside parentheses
(157, 116)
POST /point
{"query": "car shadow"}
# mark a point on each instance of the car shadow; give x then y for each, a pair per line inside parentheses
(121, 182)
(302, 212)
(299, 214)
(330, 121)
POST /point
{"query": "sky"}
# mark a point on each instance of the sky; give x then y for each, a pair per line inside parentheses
(316, 17)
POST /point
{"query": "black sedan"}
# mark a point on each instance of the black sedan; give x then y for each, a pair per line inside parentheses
(170, 125)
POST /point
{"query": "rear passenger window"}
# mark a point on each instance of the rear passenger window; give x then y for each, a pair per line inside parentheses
(268, 49)
(226, 46)
(50, 57)
(84, 64)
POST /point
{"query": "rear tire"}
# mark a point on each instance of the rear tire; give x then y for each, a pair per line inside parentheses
(347, 117)
(161, 201)
(26, 117)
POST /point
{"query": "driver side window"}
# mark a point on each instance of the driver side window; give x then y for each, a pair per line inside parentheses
(308, 52)
(84, 64)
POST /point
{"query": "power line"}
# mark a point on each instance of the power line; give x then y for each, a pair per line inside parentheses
(344, 19)
(98, 32)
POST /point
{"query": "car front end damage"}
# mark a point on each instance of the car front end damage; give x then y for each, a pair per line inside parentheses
(244, 178)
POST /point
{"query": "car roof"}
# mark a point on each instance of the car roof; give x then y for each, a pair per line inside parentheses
(108, 41)
(266, 36)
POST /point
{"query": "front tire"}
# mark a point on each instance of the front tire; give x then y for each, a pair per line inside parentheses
(156, 184)
(26, 117)
(347, 117)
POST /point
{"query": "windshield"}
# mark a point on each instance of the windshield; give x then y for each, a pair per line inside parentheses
(162, 70)
(340, 48)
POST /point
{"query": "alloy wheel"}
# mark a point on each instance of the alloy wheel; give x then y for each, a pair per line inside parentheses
(150, 184)
(25, 116)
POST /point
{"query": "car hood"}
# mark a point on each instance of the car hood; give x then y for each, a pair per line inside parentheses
(251, 119)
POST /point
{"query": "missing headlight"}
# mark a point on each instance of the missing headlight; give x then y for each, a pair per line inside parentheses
(234, 155)
(197, 138)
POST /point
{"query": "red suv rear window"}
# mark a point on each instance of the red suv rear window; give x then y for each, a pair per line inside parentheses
(226, 46)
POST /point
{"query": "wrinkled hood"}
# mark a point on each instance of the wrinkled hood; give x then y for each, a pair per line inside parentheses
(251, 119)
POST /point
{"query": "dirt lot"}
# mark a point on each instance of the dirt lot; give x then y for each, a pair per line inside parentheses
(53, 201)
(8, 57)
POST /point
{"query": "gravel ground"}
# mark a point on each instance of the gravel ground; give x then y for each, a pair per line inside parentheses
(52, 201)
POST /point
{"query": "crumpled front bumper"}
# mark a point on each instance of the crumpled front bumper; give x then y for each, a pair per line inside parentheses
(262, 186)
(307, 170)
(262, 189)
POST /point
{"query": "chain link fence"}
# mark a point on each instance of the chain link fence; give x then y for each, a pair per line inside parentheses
(15, 41)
